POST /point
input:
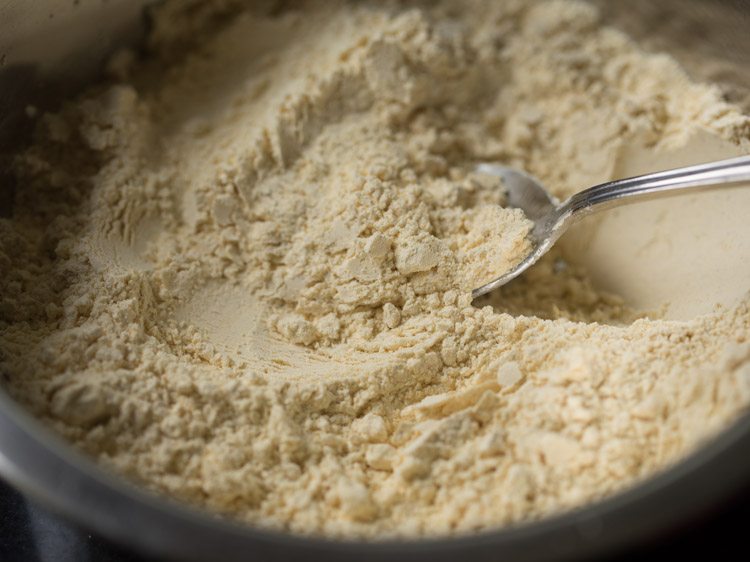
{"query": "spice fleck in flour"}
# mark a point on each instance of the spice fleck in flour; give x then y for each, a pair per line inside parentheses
(240, 273)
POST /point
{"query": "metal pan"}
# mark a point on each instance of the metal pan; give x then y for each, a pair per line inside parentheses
(47, 49)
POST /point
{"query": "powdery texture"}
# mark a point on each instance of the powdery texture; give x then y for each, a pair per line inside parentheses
(241, 276)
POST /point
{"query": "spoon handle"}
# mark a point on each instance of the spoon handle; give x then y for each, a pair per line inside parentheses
(700, 177)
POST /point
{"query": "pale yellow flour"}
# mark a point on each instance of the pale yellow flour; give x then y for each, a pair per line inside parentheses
(239, 273)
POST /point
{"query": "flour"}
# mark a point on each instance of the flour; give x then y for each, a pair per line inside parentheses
(241, 275)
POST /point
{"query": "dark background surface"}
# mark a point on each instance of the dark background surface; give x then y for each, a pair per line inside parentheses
(28, 533)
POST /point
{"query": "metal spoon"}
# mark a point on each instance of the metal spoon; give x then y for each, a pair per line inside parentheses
(552, 218)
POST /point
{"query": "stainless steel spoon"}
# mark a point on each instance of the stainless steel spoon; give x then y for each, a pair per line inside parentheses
(552, 218)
